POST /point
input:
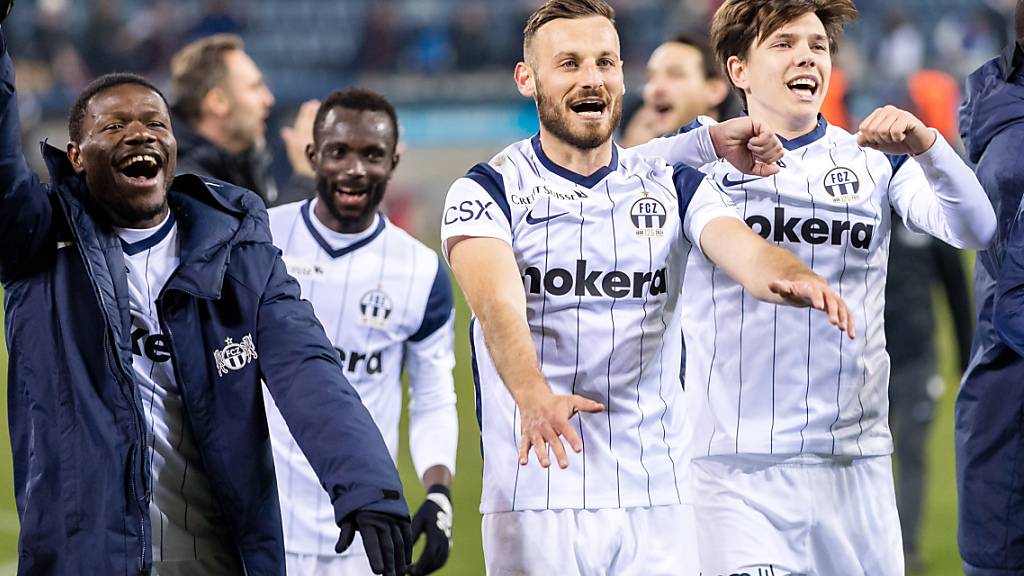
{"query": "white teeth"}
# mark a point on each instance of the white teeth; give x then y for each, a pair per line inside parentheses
(137, 158)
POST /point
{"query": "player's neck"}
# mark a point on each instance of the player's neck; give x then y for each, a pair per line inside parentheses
(787, 126)
(581, 161)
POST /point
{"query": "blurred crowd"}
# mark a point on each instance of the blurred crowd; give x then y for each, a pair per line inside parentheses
(61, 44)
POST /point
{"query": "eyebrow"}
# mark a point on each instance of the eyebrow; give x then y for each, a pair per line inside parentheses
(792, 35)
(576, 55)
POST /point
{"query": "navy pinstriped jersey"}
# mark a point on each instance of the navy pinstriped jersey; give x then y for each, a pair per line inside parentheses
(188, 529)
(770, 379)
(601, 260)
(385, 301)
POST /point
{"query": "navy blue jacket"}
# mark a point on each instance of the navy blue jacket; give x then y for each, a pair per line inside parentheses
(990, 407)
(75, 415)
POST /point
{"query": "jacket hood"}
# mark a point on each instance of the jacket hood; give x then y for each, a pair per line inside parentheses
(994, 102)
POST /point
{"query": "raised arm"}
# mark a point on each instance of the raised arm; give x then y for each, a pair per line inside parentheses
(26, 212)
(749, 145)
(931, 188)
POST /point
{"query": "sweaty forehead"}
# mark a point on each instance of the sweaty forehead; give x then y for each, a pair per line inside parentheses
(590, 35)
(125, 99)
(347, 124)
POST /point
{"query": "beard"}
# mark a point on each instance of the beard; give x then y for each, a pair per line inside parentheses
(557, 122)
(128, 209)
(135, 213)
(350, 219)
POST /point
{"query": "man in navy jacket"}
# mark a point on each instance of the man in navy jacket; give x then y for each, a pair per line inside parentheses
(990, 407)
(230, 317)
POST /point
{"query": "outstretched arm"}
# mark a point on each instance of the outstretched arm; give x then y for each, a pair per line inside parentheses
(768, 272)
(771, 273)
(331, 425)
(26, 212)
(487, 272)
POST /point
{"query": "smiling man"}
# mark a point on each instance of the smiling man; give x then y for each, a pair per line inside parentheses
(569, 251)
(792, 471)
(142, 313)
(683, 82)
(386, 302)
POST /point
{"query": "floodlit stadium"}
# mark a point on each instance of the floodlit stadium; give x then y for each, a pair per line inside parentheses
(448, 66)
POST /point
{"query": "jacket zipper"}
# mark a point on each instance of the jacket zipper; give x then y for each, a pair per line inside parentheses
(119, 370)
(143, 513)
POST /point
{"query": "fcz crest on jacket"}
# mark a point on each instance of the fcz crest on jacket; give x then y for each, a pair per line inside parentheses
(235, 355)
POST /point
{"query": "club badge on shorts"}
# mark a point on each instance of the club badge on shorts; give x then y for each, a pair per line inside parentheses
(235, 355)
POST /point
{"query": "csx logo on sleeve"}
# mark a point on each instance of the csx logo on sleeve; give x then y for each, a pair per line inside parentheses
(467, 211)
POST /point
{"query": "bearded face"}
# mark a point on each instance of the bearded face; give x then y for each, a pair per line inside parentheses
(585, 119)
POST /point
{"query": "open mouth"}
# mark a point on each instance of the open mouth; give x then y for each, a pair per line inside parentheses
(663, 109)
(140, 168)
(805, 87)
(351, 196)
(589, 108)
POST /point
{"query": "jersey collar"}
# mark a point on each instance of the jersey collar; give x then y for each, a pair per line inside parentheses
(585, 181)
(153, 239)
(810, 137)
(333, 253)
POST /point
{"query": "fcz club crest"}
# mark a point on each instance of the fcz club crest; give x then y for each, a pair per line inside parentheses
(375, 307)
(234, 356)
(649, 216)
(842, 185)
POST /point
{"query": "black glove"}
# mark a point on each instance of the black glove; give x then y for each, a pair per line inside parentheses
(386, 538)
(434, 518)
(5, 9)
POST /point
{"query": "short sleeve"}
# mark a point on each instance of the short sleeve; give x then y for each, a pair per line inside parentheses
(476, 206)
(700, 202)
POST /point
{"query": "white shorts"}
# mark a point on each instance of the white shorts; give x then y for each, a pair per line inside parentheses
(620, 541)
(327, 565)
(800, 515)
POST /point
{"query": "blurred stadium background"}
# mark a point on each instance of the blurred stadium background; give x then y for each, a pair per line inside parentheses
(447, 65)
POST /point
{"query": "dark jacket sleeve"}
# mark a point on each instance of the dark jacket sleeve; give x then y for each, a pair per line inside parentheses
(951, 274)
(324, 413)
(1008, 313)
(26, 214)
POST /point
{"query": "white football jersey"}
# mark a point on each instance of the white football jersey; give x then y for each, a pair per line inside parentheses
(601, 259)
(772, 379)
(184, 516)
(385, 301)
